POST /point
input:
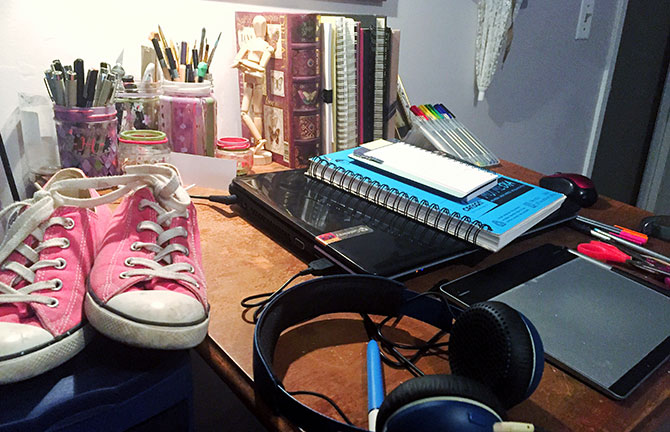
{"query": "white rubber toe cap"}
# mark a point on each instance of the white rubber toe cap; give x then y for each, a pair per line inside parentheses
(15, 338)
(161, 307)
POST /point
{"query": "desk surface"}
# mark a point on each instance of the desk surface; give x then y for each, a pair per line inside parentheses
(328, 355)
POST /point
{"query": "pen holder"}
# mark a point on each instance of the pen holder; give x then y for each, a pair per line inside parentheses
(188, 116)
(138, 106)
(87, 139)
(143, 147)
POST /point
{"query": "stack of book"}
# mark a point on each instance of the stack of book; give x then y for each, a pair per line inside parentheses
(329, 85)
(469, 202)
(359, 72)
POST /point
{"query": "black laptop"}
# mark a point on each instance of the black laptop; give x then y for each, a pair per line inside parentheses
(315, 219)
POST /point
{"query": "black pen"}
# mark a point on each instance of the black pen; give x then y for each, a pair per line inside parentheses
(57, 66)
(79, 70)
(161, 59)
(174, 73)
(91, 80)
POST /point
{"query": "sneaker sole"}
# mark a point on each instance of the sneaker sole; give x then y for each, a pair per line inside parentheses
(37, 362)
(143, 335)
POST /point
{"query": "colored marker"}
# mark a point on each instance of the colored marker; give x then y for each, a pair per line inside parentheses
(375, 383)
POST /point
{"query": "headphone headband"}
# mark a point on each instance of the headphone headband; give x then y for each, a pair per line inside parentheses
(363, 294)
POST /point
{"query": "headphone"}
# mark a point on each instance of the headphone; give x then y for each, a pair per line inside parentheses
(495, 354)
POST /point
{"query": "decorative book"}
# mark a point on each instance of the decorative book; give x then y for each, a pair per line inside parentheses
(492, 220)
(291, 118)
(434, 170)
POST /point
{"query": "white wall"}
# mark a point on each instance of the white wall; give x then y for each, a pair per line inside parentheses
(539, 110)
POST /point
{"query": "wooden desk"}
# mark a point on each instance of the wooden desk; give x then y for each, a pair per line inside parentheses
(328, 355)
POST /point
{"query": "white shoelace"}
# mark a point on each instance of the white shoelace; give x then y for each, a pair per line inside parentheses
(154, 268)
(34, 218)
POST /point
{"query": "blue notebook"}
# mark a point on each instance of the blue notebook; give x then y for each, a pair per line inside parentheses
(491, 220)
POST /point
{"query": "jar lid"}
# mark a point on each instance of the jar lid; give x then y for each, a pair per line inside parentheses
(143, 136)
(233, 143)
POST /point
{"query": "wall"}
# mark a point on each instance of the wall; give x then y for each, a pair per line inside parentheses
(539, 110)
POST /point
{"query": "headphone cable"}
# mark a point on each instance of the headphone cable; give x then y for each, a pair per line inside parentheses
(317, 267)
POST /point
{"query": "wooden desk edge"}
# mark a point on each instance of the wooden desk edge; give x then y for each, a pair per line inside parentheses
(241, 385)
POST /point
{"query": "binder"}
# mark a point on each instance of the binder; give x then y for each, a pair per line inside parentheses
(492, 220)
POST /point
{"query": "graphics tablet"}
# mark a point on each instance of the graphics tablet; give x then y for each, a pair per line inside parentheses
(596, 323)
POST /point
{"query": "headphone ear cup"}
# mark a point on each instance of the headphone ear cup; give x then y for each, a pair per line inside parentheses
(491, 343)
(435, 386)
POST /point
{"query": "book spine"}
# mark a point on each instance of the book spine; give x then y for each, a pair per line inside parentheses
(302, 116)
(398, 201)
(291, 103)
(380, 67)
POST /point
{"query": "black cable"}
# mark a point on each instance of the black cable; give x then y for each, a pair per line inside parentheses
(223, 199)
(326, 398)
(317, 267)
(390, 348)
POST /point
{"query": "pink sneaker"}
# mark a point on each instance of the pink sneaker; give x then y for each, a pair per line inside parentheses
(45, 257)
(147, 286)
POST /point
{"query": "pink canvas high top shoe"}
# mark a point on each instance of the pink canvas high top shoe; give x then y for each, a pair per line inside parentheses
(147, 286)
(46, 255)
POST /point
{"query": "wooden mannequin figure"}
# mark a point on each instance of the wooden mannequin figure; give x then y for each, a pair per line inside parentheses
(252, 59)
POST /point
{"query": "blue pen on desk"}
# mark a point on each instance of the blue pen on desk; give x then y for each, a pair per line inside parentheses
(375, 383)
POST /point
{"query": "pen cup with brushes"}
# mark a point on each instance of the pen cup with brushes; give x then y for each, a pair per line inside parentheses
(188, 116)
(143, 147)
(87, 139)
(138, 105)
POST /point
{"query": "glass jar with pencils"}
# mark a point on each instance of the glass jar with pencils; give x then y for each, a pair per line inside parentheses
(237, 149)
(188, 116)
(138, 105)
(143, 147)
(87, 139)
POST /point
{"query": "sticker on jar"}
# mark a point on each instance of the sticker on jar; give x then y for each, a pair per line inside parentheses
(343, 234)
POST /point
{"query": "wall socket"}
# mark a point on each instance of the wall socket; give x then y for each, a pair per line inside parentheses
(585, 18)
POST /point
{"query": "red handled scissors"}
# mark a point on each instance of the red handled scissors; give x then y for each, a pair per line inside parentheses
(607, 252)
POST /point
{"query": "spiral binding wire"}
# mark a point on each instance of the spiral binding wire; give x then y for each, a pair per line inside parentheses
(400, 202)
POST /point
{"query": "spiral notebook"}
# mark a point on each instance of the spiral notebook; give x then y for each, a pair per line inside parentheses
(437, 171)
(491, 220)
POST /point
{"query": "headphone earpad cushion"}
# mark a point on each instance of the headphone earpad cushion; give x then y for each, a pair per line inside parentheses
(437, 385)
(490, 343)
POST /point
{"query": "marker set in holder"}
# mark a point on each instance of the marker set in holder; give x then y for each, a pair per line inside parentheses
(437, 127)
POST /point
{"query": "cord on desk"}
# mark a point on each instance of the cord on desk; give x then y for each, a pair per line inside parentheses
(326, 398)
(223, 199)
(390, 348)
(317, 268)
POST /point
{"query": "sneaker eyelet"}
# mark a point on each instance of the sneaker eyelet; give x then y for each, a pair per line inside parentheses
(191, 269)
(135, 246)
(197, 285)
(69, 223)
(53, 303)
(66, 243)
(187, 252)
(123, 275)
(129, 263)
(61, 264)
(59, 285)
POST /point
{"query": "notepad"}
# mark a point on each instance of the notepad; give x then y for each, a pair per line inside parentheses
(433, 170)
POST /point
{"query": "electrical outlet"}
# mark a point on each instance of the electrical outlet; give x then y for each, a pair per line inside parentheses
(585, 18)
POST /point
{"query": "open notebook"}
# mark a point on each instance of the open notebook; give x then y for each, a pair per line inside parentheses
(429, 169)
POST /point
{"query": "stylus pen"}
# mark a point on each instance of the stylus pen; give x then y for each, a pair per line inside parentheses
(375, 383)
